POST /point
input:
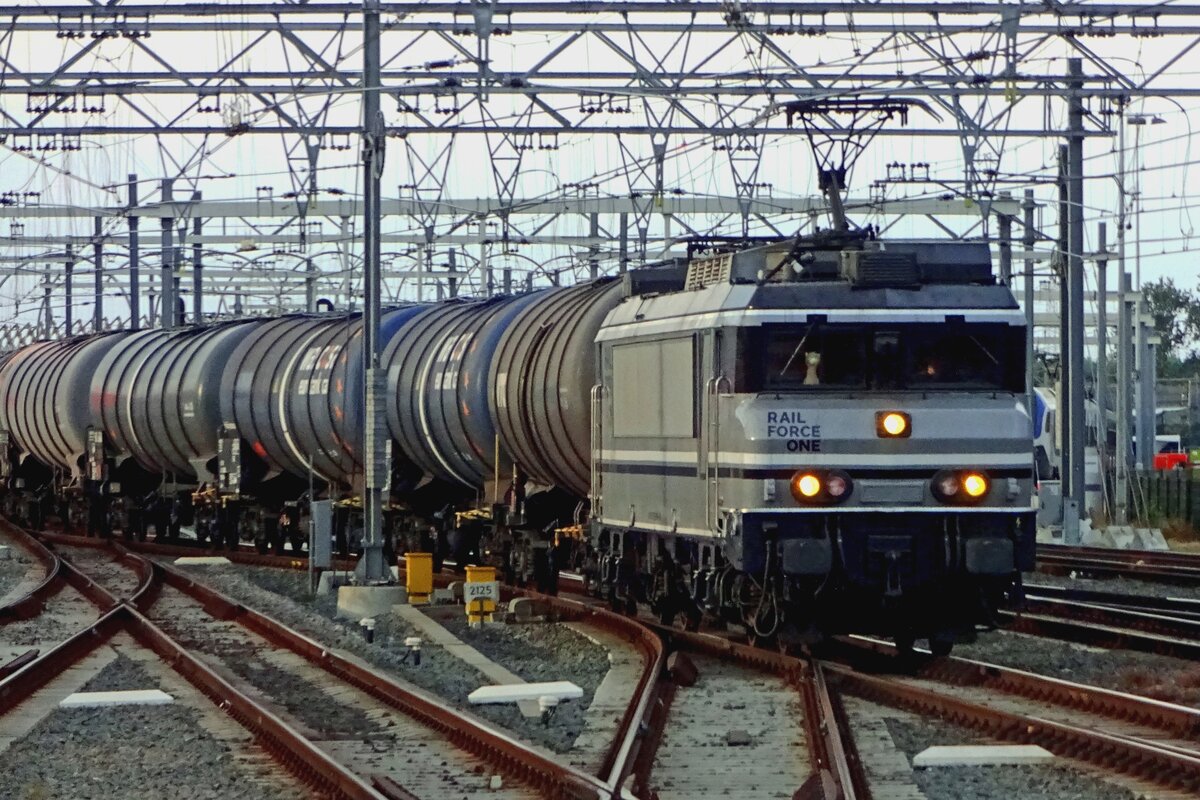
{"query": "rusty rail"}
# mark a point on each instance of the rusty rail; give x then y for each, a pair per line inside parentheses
(34, 601)
(243, 555)
(1148, 565)
(1108, 628)
(838, 772)
(468, 733)
(490, 744)
(296, 753)
(1182, 722)
(1161, 765)
(622, 757)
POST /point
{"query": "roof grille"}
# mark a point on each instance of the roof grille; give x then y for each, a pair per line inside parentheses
(708, 271)
(880, 269)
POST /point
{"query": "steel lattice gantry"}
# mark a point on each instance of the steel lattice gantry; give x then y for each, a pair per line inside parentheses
(601, 132)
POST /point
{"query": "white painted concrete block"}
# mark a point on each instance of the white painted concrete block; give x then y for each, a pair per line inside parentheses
(512, 693)
(981, 755)
(1150, 539)
(200, 561)
(133, 697)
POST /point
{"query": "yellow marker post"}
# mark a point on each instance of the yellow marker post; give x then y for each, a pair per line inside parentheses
(480, 593)
(418, 577)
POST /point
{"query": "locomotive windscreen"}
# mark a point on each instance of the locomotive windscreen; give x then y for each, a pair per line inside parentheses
(918, 357)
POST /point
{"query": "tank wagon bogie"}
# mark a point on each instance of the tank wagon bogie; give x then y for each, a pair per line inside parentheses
(821, 435)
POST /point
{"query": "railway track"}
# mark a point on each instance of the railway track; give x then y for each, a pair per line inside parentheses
(295, 750)
(1148, 565)
(1158, 743)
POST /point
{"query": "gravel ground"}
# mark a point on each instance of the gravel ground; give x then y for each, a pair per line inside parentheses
(64, 615)
(537, 652)
(100, 566)
(283, 594)
(1117, 585)
(1161, 677)
(992, 783)
(132, 753)
(14, 568)
(245, 654)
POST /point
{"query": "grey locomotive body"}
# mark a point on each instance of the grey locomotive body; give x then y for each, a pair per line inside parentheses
(743, 461)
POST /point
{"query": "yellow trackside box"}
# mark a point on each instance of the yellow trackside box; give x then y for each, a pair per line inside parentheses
(480, 593)
(418, 576)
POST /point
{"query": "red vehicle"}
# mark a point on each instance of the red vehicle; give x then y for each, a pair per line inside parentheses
(1169, 453)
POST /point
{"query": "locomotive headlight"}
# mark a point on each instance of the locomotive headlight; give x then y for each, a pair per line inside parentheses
(805, 486)
(821, 487)
(975, 485)
(947, 486)
(893, 424)
(962, 487)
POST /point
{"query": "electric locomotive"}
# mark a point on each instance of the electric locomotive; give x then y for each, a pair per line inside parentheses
(821, 435)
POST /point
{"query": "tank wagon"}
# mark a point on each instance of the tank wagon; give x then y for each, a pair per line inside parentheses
(821, 434)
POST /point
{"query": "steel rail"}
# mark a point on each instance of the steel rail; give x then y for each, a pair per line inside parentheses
(33, 602)
(621, 759)
(1111, 553)
(1161, 765)
(838, 771)
(1182, 722)
(517, 759)
(308, 762)
(829, 738)
(293, 750)
(1159, 623)
(1110, 628)
(626, 751)
(1145, 565)
(1177, 607)
(243, 555)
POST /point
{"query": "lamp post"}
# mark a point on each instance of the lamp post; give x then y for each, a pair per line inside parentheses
(1144, 418)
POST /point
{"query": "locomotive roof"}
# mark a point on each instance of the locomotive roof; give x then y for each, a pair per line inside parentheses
(726, 304)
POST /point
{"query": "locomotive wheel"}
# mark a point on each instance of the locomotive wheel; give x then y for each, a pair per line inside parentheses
(685, 617)
(768, 642)
(940, 647)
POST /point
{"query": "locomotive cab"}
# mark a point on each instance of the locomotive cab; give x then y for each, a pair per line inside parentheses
(842, 447)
